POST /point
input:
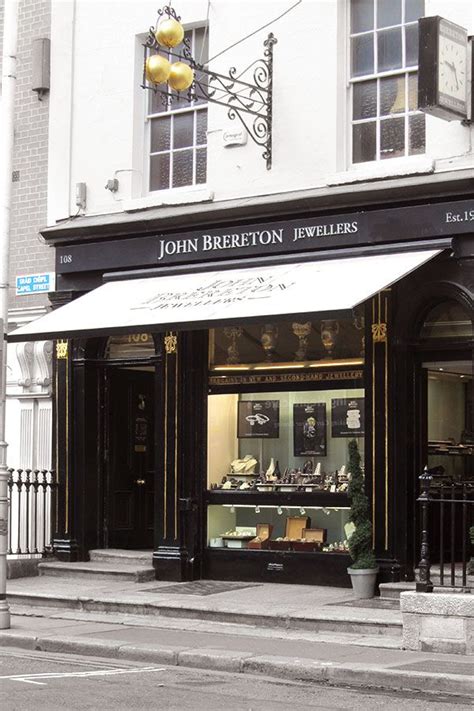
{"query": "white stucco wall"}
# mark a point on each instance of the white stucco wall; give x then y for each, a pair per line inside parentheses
(97, 104)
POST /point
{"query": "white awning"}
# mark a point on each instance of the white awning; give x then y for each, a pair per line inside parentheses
(207, 299)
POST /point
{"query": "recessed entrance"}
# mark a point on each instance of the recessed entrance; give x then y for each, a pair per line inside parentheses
(129, 447)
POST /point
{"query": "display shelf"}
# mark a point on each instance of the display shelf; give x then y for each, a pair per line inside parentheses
(466, 451)
(276, 498)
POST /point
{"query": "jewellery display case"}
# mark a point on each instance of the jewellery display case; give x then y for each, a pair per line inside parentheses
(277, 482)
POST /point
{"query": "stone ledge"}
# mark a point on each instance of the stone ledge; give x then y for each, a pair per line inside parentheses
(438, 622)
(437, 604)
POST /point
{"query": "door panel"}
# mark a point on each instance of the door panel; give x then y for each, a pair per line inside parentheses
(130, 466)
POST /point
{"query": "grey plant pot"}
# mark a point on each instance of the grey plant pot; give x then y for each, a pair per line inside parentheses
(363, 582)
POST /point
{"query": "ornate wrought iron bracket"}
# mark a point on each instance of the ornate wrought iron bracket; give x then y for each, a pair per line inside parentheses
(247, 95)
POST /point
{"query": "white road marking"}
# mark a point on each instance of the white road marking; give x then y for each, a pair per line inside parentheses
(29, 678)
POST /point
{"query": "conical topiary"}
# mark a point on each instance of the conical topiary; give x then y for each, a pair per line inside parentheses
(360, 543)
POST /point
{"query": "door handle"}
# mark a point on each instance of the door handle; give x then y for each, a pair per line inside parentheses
(140, 482)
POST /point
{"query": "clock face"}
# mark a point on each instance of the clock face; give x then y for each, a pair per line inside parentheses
(452, 71)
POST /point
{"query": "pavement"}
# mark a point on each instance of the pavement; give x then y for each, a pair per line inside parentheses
(295, 632)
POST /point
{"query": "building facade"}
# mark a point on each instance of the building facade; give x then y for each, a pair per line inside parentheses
(230, 321)
(29, 372)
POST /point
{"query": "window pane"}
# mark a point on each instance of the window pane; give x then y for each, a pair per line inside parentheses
(392, 95)
(201, 55)
(389, 50)
(364, 100)
(413, 92)
(182, 168)
(447, 320)
(160, 134)
(201, 45)
(362, 55)
(201, 165)
(363, 142)
(392, 138)
(157, 102)
(416, 129)
(201, 127)
(414, 9)
(389, 12)
(183, 130)
(362, 15)
(411, 45)
(160, 171)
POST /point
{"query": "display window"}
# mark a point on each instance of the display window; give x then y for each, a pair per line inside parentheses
(277, 459)
(263, 527)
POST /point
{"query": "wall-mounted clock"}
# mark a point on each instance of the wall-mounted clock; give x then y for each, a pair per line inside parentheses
(443, 74)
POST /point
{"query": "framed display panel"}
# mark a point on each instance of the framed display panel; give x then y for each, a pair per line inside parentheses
(258, 419)
(309, 429)
(348, 417)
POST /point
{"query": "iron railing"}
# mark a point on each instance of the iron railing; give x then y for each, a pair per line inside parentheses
(447, 518)
(31, 498)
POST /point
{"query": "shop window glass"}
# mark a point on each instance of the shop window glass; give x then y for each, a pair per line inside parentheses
(291, 344)
(384, 57)
(130, 345)
(448, 321)
(278, 462)
(450, 426)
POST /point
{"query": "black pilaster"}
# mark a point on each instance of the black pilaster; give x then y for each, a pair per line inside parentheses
(180, 444)
(64, 540)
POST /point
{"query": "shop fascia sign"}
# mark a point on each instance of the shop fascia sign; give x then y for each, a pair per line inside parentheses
(405, 224)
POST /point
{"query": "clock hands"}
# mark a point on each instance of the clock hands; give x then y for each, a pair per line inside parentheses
(452, 66)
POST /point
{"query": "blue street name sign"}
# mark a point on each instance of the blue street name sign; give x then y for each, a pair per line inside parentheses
(35, 283)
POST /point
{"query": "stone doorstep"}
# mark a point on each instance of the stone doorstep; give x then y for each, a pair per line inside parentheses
(302, 669)
(392, 591)
(119, 556)
(97, 570)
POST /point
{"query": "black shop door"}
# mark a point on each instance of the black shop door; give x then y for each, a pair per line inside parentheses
(129, 504)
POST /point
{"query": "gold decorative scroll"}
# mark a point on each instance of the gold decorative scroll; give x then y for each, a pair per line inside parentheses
(171, 343)
(61, 349)
(379, 332)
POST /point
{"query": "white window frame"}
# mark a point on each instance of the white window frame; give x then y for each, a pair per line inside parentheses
(171, 112)
(402, 71)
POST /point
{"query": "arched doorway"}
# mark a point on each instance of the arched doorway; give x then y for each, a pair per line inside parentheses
(445, 377)
(129, 441)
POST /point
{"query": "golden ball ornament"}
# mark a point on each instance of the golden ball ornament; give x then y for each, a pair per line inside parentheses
(181, 76)
(169, 33)
(157, 69)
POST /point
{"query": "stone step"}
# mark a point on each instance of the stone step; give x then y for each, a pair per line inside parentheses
(392, 591)
(117, 556)
(97, 570)
(346, 622)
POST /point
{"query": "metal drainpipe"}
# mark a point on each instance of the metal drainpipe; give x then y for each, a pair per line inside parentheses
(10, 33)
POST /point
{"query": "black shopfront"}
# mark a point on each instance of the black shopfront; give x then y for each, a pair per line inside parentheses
(209, 425)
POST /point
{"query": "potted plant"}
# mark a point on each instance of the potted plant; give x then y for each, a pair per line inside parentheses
(363, 570)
